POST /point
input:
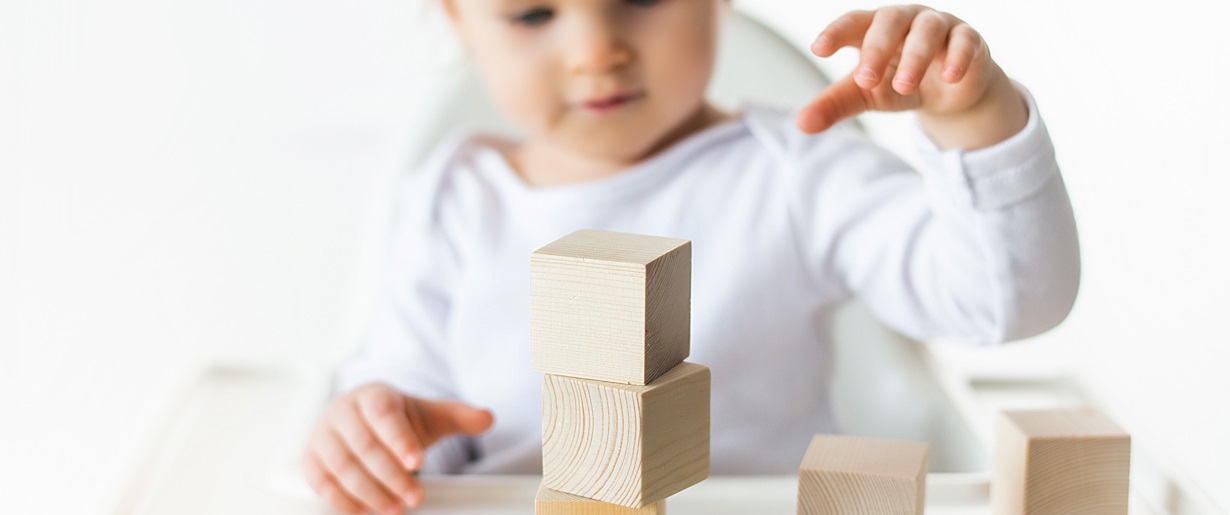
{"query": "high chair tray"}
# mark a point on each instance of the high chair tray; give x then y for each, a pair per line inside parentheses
(224, 448)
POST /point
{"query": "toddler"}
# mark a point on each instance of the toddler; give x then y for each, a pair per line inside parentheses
(790, 216)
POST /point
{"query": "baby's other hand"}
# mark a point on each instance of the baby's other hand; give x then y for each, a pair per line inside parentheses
(364, 450)
(910, 57)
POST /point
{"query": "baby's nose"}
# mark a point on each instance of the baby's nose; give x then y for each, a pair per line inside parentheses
(597, 50)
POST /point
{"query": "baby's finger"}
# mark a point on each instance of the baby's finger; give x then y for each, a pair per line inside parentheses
(964, 43)
(881, 44)
(843, 99)
(845, 31)
(326, 486)
(386, 415)
(438, 419)
(927, 35)
(353, 476)
(378, 459)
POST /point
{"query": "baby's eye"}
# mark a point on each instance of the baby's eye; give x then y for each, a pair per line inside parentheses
(644, 3)
(534, 17)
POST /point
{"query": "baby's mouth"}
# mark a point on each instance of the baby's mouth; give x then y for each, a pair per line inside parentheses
(611, 103)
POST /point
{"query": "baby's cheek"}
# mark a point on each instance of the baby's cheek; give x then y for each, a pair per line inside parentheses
(684, 72)
(528, 101)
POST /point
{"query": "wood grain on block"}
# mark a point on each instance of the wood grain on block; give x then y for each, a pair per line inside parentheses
(626, 444)
(552, 502)
(610, 306)
(852, 475)
(1057, 462)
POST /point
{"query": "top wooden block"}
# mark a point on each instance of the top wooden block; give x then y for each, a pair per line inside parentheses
(611, 306)
(1060, 462)
(853, 475)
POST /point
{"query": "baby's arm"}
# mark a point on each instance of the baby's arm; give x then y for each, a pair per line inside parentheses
(365, 448)
(982, 246)
(915, 58)
(978, 246)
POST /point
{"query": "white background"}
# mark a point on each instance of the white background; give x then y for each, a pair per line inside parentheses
(186, 181)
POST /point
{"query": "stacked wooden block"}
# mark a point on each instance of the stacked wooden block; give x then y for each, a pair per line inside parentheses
(625, 419)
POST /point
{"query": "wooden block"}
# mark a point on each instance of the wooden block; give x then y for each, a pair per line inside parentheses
(852, 475)
(552, 502)
(610, 306)
(626, 444)
(1056, 462)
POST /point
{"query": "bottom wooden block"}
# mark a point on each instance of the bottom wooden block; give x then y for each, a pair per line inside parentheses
(551, 502)
(850, 475)
(626, 444)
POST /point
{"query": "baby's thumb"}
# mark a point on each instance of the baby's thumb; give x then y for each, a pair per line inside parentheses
(445, 418)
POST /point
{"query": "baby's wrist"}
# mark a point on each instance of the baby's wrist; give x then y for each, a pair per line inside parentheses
(999, 114)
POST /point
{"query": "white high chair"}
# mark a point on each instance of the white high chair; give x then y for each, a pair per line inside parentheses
(233, 442)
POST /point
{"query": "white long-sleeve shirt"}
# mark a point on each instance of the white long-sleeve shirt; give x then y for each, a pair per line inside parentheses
(975, 246)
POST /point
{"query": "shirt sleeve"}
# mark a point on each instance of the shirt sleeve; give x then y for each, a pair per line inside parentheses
(978, 246)
(404, 345)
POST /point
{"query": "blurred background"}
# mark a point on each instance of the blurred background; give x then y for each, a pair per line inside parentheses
(187, 182)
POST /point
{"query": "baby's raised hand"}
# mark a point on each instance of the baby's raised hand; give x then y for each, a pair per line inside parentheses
(366, 446)
(910, 57)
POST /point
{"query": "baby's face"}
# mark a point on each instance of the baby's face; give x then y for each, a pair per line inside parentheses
(607, 78)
